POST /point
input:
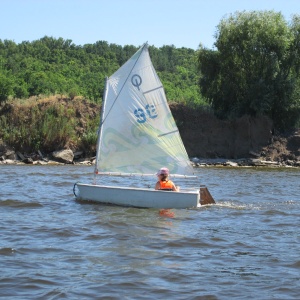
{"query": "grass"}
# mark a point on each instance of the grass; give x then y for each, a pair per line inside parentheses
(49, 124)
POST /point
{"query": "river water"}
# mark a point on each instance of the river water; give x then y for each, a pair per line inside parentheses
(244, 247)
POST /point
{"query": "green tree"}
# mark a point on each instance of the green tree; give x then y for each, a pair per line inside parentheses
(38, 83)
(20, 89)
(254, 69)
(6, 87)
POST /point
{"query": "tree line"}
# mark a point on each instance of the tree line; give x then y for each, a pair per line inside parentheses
(253, 68)
(57, 66)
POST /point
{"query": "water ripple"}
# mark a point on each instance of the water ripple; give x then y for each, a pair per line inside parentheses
(246, 246)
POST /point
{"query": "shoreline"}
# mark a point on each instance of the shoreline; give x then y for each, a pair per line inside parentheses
(68, 157)
(195, 162)
(245, 163)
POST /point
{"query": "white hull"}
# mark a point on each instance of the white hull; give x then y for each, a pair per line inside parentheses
(138, 197)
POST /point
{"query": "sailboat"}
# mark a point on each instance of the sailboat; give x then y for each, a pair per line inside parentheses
(137, 136)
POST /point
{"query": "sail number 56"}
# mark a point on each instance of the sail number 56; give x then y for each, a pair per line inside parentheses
(143, 114)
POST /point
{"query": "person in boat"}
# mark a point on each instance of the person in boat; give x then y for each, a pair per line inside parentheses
(164, 183)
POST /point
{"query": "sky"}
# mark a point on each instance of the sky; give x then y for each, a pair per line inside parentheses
(182, 23)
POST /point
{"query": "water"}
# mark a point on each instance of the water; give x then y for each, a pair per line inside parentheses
(244, 247)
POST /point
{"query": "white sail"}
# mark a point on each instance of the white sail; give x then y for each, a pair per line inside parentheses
(138, 133)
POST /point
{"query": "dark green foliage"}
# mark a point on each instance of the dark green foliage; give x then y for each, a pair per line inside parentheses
(255, 69)
(6, 86)
(51, 66)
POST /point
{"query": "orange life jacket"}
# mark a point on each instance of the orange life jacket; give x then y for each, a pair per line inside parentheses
(166, 185)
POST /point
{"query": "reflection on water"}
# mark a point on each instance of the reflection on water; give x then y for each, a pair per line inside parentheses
(246, 246)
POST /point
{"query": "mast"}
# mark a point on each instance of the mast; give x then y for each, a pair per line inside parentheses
(100, 128)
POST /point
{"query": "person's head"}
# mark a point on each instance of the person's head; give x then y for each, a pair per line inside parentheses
(163, 174)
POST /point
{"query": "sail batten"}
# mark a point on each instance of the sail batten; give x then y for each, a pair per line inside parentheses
(163, 134)
(138, 131)
(160, 87)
